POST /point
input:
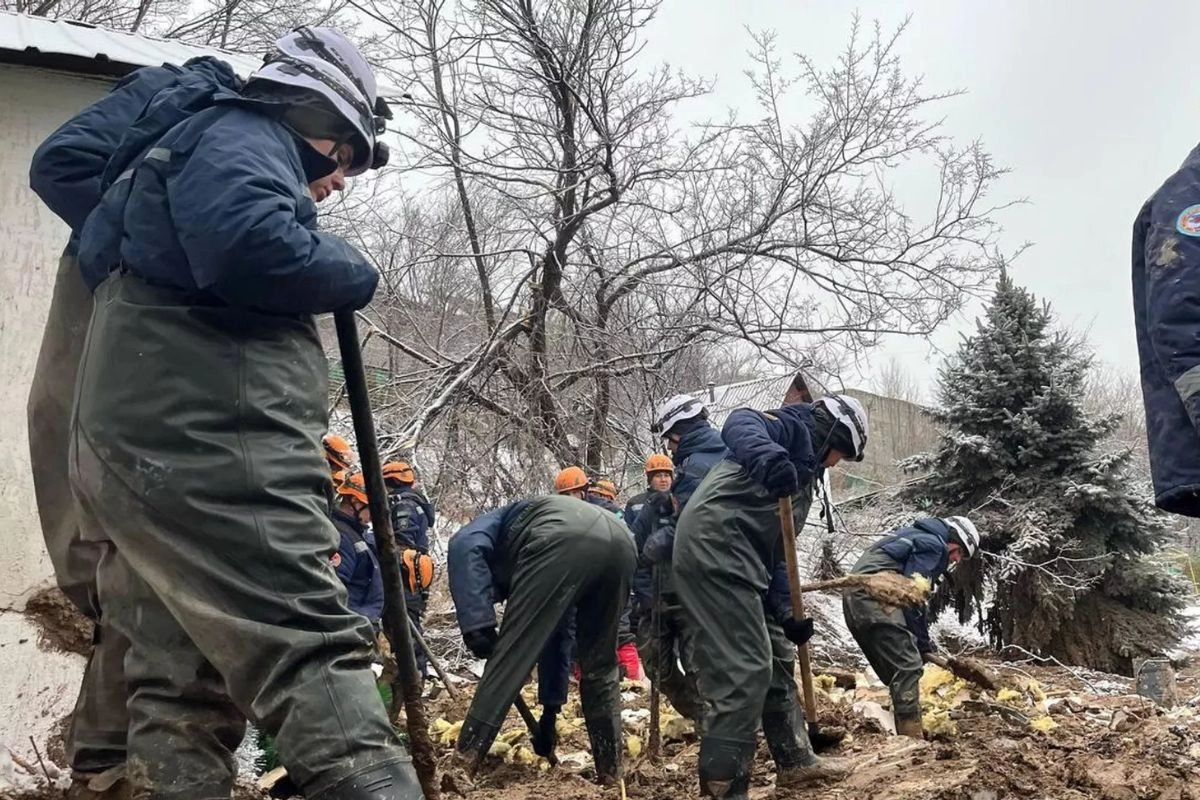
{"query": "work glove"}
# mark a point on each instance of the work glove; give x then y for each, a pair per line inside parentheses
(798, 631)
(778, 476)
(659, 545)
(481, 642)
(546, 737)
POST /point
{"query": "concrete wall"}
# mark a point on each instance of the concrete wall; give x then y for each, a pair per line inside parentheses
(899, 429)
(34, 103)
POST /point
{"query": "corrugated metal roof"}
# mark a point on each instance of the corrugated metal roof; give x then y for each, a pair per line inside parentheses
(759, 393)
(22, 33)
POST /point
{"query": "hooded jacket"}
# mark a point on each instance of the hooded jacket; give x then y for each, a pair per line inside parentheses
(219, 210)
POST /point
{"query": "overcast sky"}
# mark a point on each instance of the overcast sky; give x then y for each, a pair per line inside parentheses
(1089, 103)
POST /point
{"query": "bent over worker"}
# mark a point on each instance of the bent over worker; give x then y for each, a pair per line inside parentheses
(196, 446)
(730, 576)
(545, 557)
(895, 641)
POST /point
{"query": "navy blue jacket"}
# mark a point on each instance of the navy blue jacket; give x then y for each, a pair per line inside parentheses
(758, 442)
(1166, 315)
(918, 550)
(634, 507)
(606, 504)
(476, 562)
(68, 167)
(358, 567)
(412, 517)
(699, 450)
(220, 207)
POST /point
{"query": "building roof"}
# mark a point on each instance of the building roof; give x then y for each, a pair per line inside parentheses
(94, 50)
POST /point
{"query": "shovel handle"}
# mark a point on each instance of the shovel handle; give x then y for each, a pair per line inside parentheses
(787, 526)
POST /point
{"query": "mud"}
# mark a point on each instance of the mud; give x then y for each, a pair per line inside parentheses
(60, 624)
(1099, 745)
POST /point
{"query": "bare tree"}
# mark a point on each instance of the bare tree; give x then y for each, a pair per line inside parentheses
(119, 14)
(575, 238)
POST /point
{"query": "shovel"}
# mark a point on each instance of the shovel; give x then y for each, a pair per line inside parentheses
(820, 740)
(406, 689)
(522, 709)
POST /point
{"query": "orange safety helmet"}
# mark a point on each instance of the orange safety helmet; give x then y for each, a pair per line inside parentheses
(353, 486)
(659, 463)
(571, 479)
(399, 471)
(337, 451)
(605, 488)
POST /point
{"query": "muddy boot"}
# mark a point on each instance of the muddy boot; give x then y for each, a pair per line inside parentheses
(396, 780)
(107, 785)
(909, 726)
(795, 762)
(605, 736)
(725, 768)
(474, 741)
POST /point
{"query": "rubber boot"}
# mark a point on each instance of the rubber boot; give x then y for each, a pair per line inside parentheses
(605, 735)
(396, 780)
(474, 741)
(725, 768)
(908, 725)
(795, 762)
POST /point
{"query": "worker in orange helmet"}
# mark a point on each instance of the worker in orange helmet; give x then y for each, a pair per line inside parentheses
(573, 482)
(337, 452)
(356, 561)
(660, 471)
(412, 518)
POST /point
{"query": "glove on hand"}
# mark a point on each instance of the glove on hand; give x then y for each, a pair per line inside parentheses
(658, 547)
(482, 642)
(778, 476)
(798, 631)
(546, 738)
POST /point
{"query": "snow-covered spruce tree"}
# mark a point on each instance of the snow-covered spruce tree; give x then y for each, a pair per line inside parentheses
(1066, 530)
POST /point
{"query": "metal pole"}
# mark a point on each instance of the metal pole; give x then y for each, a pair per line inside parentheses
(395, 616)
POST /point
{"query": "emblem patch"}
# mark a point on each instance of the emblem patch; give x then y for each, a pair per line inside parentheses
(1189, 221)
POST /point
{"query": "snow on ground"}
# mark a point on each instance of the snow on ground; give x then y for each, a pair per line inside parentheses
(37, 688)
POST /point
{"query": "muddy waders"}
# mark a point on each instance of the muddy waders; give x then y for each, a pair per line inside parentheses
(95, 740)
(561, 553)
(726, 548)
(196, 455)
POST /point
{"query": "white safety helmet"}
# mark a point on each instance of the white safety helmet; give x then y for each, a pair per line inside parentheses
(673, 410)
(964, 533)
(324, 61)
(853, 417)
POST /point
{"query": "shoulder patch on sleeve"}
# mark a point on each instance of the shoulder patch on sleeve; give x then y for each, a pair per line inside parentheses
(1188, 222)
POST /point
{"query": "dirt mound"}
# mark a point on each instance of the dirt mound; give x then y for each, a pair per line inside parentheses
(60, 625)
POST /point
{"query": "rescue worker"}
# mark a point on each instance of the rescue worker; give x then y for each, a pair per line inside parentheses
(572, 482)
(356, 561)
(682, 422)
(730, 576)
(603, 493)
(67, 173)
(659, 471)
(1166, 294)
(896, 641)
(412, 517)
(338, 453)
(196, 440)
(543, 557)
